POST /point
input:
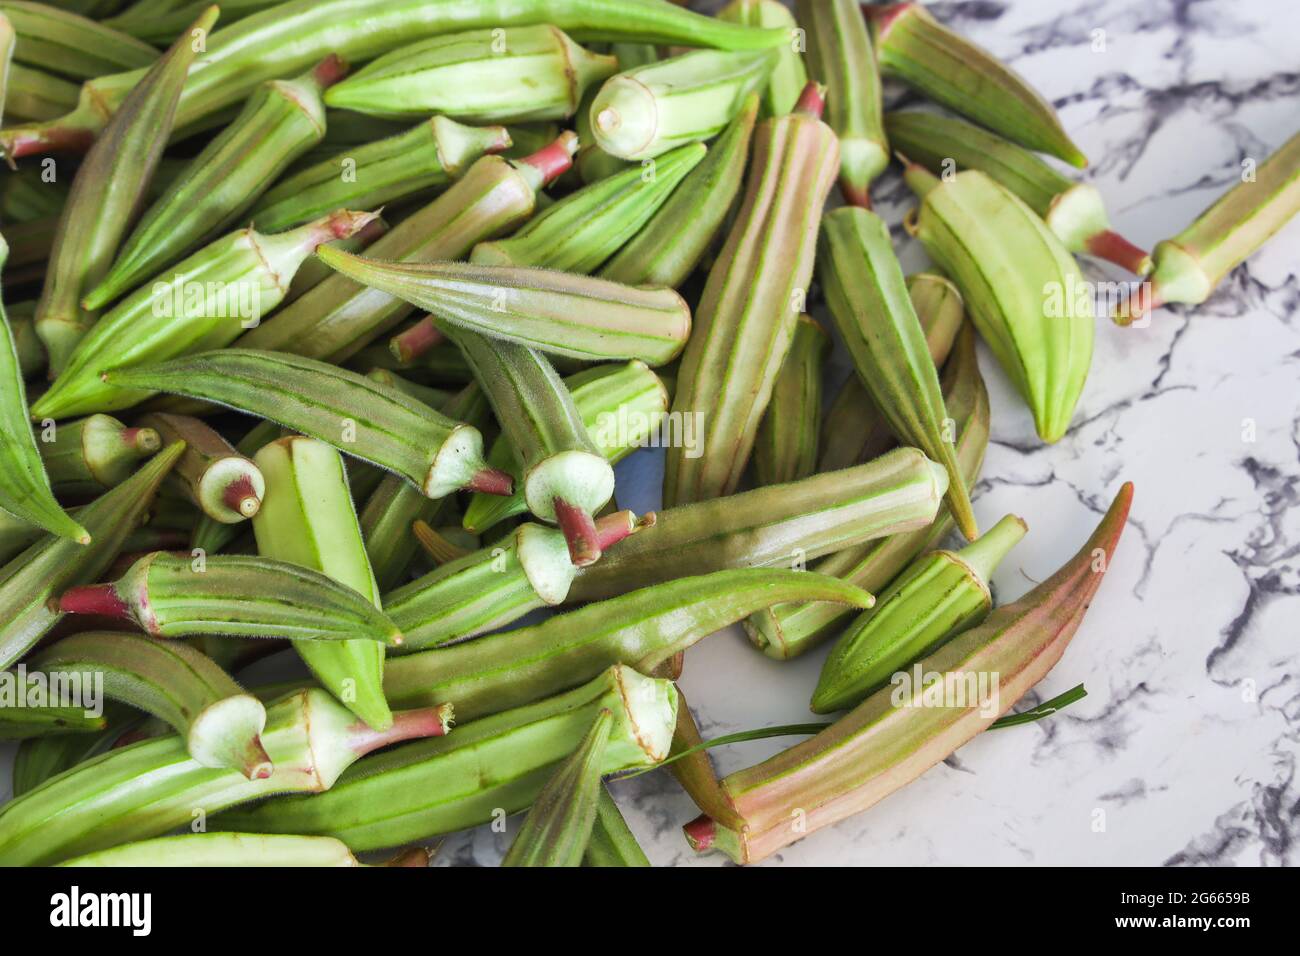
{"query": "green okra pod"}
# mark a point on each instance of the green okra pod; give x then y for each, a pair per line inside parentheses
(105, 195)
(75, 45)
(433, 397)
(898, 733)
(429, 156)
(280, 121)
(8, 39)
(966, 78)
(371, 421)
(752, 301)
(31, 353)
(872, 309)
(1074, 211)
(40, 758)
(39, 723)
(52, 565)
(1022, 288)
(786, 446)
(29, 194)
(788, 76)
(205, 301)
(236, 596)
(505, 74)
(219, 722)
(612, 843)
(558, 826)
(940, 595)
(1187, 267)
(412, 793)
(212, 535)
(222, 850)
(158, 21)
(220, 481)
(646, 111)
(88, 456)
(35, 95)
(152, 787)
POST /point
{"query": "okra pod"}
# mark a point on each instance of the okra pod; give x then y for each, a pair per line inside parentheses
(222, 850)
(786, 446)
(8, 40)
(224, 484)
(28, 195)
(158, 22)
(31, 353)
(752, 301)
(155, 786)
(612, 843)
(235, 596)
(40, 758)
(788, 76)
(415, 792)
(75, 45)
(505, 74)
(898, 733)
(211, 535)
(94, 454)
(39, 723)
(35, 95)
(432, 397)
(966, 78)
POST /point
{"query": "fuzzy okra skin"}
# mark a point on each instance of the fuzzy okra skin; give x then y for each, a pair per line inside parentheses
(1022, 288)
(786, 447)
(89, 456)
(150, 788)
(898, 733)
(223, 850)
(643, 630)
(1187, 267)
(752, 301)
(966, 78)
(497, 763)
(789, 76)
(224, 484)
(73, 45)
(872, 309)
(220, 723)
(376, 423)
(51, 565)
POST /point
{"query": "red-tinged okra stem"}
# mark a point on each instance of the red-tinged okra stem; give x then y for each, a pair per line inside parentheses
(966, 78)
(417, 340)
(76, 45)
(224, 484)
(786, 446)
(52, 565)
(898, 733)
(153, 787)
(106, 193)
(96, 453)
(789, 76)
(223, 850)
(752, 302)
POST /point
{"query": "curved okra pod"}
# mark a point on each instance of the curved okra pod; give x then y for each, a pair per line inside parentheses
(869, 302)
(666, 250)
(940, 595)
(218, 721)
(1023, 289)
(150, 788)
(434, 787)
(74, 45)
(788, 76)
(236, 596)
(280, 121)
(205, 302)
(504, 74)
(89, 456)
(223, 483)
(786, 446)
(105, 196)
(899, 732)
(1189, 266)
(966, 78)
(371, 421)
(752, 301)
(1074, 211)
(840, 55)
(429, 156)
(52, 565)
(646, 111)
(223, 850)
(559, 823)
(39, 722)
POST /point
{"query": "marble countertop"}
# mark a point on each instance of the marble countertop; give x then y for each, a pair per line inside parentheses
(1185, 750)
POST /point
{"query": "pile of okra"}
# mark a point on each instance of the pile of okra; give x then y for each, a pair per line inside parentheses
(328, 320)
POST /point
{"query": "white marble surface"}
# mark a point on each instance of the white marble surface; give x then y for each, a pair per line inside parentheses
(1189, 738)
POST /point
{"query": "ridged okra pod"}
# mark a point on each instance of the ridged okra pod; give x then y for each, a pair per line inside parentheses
(220, 723)
(558, 826)
(789, 76)
(205, 301)
(1187, 267)
(840, 56)
(505, 74)
(646, 111)
(105, 195)
(898, 733)
(93, 454)
(786, 447)
(35, 95)
(1074, 211)
(1022, 288)
(355, 414)
(415, 792)
(752, 301)
(236, 596)
(966, 78)
(280, 121)
(612, 843)
(872, 309)
(940, 595)
(75, 45)
(51, 565)
(220, 481)
(644, 630)
(150, 788)
(426, 157)
(222, 850)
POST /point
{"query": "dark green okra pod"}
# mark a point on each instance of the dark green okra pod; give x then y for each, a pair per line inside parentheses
(88, 456)
(786, 447)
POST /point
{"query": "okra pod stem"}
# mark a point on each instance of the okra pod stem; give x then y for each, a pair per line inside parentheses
(612, 843)
(786, 446)
(89, 456)
(222, 850)
(789, 75)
